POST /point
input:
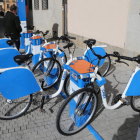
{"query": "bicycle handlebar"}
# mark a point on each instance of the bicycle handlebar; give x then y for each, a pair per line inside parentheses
(91, 42)
(66, 38)
(37, 32)
(68, 45)
(29, 27)
(43, 33)
(116, 54)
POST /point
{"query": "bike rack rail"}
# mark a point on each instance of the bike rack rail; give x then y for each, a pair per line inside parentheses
(138, 133)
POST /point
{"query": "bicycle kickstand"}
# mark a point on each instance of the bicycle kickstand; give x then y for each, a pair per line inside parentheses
(42, 104)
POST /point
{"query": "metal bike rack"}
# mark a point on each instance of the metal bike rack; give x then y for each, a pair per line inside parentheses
(27, 36)
(35, 48)
(138, 133)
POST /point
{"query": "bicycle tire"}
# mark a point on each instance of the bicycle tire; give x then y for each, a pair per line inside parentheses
(66, 85)
(65, 57)
(105, 67)
(12, 109)
(79, 117)
(51, 74)
(135, 103)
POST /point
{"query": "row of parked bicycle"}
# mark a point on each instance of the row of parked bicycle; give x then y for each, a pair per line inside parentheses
(82, 79)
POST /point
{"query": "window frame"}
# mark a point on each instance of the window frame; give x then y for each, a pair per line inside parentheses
(7, 6)
(36, 8)
(46, 6)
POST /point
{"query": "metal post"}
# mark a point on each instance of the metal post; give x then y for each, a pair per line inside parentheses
(65, 16)
(138, 133)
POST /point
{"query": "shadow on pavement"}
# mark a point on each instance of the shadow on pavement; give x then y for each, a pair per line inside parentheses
(129, 129)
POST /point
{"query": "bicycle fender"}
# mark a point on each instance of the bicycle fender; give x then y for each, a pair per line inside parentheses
(18, 82)
(6, 58)
(134, 87)
(90, 57)
(3, 43)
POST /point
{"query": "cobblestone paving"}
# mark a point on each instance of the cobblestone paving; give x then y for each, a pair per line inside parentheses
(119, 124)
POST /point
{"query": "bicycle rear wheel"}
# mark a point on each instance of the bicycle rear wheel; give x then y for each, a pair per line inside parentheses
(77, 111)
(105, 67)
(48, 69)
(11, 109)
(135, 103)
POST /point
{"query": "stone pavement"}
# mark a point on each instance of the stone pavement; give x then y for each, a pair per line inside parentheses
(119, 124)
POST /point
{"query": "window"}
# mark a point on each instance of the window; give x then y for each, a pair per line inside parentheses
(8, 6)
(13, 0)
(36, 4)
(44, 4)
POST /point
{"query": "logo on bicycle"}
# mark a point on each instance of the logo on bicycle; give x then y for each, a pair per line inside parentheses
(103, 91)
(63, 61)
(37, 43)
(64, 75)
(74, 76)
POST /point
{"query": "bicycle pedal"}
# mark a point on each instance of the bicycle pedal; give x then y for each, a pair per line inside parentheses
(42, 110)
(125, 102)
(41, 80)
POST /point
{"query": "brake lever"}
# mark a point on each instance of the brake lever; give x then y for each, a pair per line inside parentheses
(118, 61)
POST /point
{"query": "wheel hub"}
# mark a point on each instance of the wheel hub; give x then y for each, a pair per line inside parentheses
(79, 112)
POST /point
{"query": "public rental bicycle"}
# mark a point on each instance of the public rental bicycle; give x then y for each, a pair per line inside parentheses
(18, 84)
(79, 108)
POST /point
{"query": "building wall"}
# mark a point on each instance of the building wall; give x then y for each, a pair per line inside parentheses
(115, 23)
(133, 28)
(48, 19)
(106, 21)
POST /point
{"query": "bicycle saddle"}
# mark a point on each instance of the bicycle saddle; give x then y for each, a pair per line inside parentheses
(90, 41)
(19, 59)
(138, 59)
(10, 42)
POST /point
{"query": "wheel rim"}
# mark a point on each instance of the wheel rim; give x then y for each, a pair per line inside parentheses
(13, 108)
(42, 71)
(105, 67)
(68, 86)
(136, 101)
(73, 120)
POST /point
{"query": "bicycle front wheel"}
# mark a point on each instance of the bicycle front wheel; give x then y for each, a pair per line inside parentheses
(49, 70)
(105, 67)
(135, 103)
(11, 109)
(77, 111)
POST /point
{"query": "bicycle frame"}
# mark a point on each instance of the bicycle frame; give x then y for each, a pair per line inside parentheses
(65, 73)
(125, 92)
